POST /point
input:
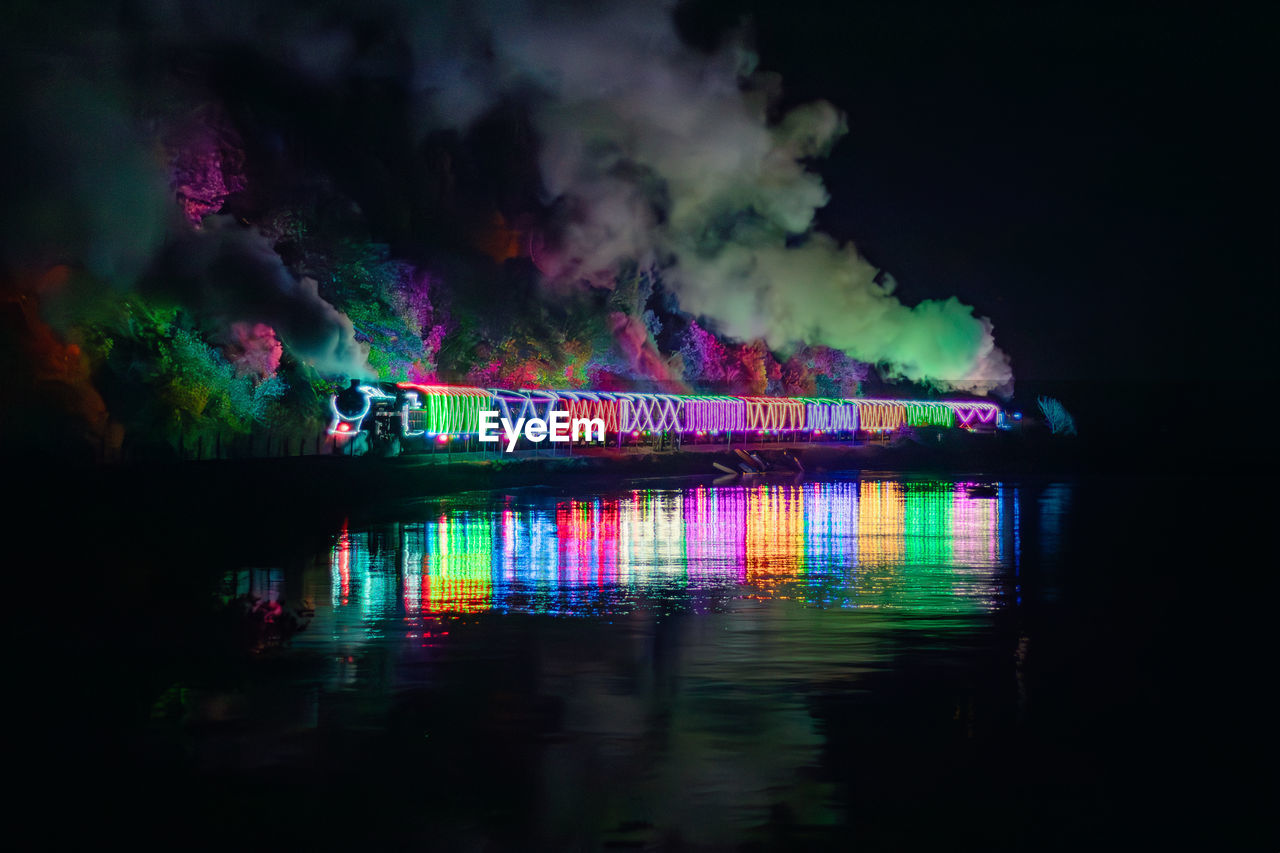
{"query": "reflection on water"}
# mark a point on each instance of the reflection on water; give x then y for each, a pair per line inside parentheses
(877, 663)
(924, 547)
(654, 664)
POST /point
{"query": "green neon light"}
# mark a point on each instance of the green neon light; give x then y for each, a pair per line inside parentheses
(930, 414)
(453, 412)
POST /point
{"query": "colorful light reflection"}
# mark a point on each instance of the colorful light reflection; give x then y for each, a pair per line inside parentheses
(921, 546)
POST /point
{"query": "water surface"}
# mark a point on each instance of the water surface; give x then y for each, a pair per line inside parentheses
(871, 662)
(658, 666)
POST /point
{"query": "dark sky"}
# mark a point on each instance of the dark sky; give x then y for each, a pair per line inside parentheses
(1100, 181)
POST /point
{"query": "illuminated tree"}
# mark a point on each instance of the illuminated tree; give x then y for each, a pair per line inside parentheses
(704, 357)
(1057, 416)
(206, 163)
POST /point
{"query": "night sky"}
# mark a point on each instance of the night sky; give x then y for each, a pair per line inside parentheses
(1093, 177)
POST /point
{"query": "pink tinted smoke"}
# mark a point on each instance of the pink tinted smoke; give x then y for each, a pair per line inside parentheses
(254, 349)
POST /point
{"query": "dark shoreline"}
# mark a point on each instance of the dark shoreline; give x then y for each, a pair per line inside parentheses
(320, 482)
(225, 504)
(330, 485)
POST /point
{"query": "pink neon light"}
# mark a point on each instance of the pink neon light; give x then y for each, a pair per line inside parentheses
(446, 390)
(606, 410)
(968, 412)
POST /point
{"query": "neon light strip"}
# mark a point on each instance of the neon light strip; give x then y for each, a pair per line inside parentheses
(832, 415)
(929, 414)
(451, 410)
(653, 412)
(591, 405)
(446, 409)
(967, 411)
(880, 414)
(714, 414)
(769, 413)
(514, 405)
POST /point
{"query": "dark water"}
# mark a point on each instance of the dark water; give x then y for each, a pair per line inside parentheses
(854, 663)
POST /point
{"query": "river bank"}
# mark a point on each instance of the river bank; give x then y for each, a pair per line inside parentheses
(240, 494)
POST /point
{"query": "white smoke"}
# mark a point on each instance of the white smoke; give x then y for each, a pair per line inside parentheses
(657, 153)
(667, 155)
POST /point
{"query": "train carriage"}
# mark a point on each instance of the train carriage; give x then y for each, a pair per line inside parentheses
(977, 415)
(591, 405)
(650, 413)
(526, 404)
(774, 414)
(445, 410)
(714, 414)
(880, 415)
(823, 414)
(926, 414)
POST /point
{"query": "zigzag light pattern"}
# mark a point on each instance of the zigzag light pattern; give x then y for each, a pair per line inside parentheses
(455, 410)
(652, 412)
(930, 414)
(830, 415)
(592, 404)
(514, 405)
(967, 413)
(774, 413)
(880, 414)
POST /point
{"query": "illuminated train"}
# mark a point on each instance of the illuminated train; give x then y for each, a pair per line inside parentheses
(427, 416)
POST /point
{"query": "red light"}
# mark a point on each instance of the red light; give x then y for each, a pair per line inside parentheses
(443, 438)
(344, 427)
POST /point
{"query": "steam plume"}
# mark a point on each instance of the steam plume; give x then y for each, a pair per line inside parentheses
(667, 156)
(655, 154)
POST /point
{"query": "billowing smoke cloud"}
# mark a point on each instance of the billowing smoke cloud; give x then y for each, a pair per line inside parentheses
(254, 349)
(657, 155)
(95, 190)
(663, 155)
(232, 274)
(653, 155)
